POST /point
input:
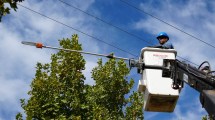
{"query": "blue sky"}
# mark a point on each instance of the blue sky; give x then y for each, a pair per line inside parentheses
(18, 62)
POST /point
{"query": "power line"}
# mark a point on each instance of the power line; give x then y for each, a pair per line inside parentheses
(86, 33)
(188, 61)
(129, 4)
(102, 20)
(77, 30)
(110, 24)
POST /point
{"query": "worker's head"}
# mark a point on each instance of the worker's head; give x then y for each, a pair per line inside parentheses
(162, 37)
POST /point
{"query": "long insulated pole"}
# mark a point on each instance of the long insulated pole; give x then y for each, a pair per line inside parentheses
(40, 45)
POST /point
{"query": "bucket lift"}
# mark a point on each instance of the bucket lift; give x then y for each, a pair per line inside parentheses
(163, 76)
(158, 93)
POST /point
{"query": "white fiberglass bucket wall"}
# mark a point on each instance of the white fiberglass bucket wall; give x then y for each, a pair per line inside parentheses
(159, 95)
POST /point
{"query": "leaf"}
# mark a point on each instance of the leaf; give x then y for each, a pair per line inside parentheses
(6, 10)
(58, 90)
(64, 101)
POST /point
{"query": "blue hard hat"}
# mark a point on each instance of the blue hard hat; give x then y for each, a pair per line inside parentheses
(162, 34)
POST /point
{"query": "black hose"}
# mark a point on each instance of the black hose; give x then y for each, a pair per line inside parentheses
(204, 63)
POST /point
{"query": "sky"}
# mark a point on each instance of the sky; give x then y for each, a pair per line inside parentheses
(103, 27)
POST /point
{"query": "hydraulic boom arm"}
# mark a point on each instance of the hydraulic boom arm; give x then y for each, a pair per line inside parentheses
(201, 80)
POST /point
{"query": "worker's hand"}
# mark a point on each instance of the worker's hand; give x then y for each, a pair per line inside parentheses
(159, 46)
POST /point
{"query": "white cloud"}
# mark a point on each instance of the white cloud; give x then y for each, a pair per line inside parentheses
(10, 91)
(18, 61)
(87, 72)
(194, 18)
(188, 108)
(189, 111)
(16, 58)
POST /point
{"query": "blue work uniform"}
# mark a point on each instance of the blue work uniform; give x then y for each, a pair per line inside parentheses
(166, 45)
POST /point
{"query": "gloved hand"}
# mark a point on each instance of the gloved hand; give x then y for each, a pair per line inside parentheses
(158, 46)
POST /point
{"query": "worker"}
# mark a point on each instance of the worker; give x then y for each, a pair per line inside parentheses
(163, 39)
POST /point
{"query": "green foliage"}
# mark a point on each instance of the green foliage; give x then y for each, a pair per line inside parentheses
(19, 116)
(207, 117)
(135, 109)
(6, 10)
(110, 89)
(58, 90)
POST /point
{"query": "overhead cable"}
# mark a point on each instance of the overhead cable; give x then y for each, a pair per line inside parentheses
(110, 24)
(91, 35)
(188, 61)
(104, 21)
(129, 4)
(77, 30)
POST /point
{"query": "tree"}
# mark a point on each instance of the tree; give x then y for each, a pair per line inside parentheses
(6, 10)
(108, 94)
(135, 110)
(58, 90)
(207, 117)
